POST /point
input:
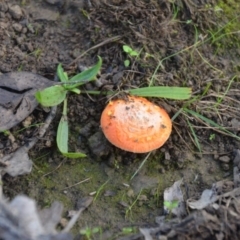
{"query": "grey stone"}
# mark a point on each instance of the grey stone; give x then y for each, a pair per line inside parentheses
(17, 27)
(16, 12)
(224, 159)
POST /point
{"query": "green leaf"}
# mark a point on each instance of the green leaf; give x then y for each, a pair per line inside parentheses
(62, 134)
(127, 49)
(51, 96)
(85, 76)
(133, 53)
(126, 63)
(177, 93)
(61, 74)
(75, 90)
(73, 154)
(197, 143)
(62, 139)
(171, 204)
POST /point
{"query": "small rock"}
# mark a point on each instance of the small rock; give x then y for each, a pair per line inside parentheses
(27, 122)
(98, 144)
(124, 204)
(4, 25)
(2, 15)
(167, 156)
(48, 143)
(143, 182)
(235, 123)
(56, 2)
(130, 193)
(224, 159)
(4, 68)
(17, 27)
(2, 53)
(16, 12)
(225, 167)
(44, 14)
(215, 155)
(63, 222)
(3, 7)
(76, 52)
(109, 193)
(143, 198)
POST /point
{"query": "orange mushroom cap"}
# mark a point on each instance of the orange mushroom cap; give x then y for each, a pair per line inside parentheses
(135, 125)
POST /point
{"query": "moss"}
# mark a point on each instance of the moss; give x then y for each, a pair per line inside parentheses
(227, 17)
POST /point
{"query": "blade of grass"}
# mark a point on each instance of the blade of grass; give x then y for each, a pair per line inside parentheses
(61, 74)
(86, 76)
(211, 123)
(141, 165)
(194, 136)
(62, 136)
(176, 93)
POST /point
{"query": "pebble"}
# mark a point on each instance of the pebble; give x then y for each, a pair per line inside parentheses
(225, 167)
(16, 12)
(2, 53)
(17, 27)
(55, 2)
(3, 7)
(224, 159)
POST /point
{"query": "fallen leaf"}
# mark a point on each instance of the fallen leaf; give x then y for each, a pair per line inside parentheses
(17, 96)
(208, 196)
(174, 201)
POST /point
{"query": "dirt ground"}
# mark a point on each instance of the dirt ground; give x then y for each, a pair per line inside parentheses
(180, 43)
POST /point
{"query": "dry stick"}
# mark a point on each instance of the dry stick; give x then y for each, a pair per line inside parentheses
(75, 217)
(108, 40)
(54, 169)
(85, 180)
(1, 188)
(43, 129)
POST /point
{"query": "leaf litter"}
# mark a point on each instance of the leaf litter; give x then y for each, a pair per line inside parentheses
(17, 96)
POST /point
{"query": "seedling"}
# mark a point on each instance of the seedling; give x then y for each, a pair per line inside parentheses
(89, 232)
(170, 205)
(130, 52)
(57, 94)
(212, 137)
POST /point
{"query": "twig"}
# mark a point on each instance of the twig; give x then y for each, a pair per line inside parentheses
(85, 204)
(54, 169)
(85, 180)
(108, 40)
(141, 165)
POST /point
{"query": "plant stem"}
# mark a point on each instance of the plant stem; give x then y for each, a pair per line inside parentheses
(64, 113)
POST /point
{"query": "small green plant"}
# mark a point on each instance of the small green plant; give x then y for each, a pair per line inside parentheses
(57, 94)
(89, 232)
(170, 205)
(37, 53)
(6, 132)
(212, 137)
(130, 52)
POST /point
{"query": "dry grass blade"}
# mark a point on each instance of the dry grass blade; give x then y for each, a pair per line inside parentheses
(210, 123)
(106, 41)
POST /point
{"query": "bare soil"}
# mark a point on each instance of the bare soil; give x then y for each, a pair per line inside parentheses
(37, 35)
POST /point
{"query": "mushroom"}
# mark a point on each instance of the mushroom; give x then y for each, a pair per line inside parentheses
(135, 124)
